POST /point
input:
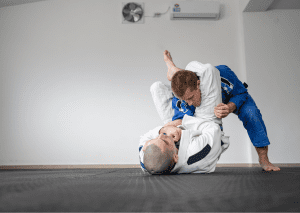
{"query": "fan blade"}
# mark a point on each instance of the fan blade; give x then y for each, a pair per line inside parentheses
(138, 10)
(136, 17)
(128, 18)
(126, 11)
(132, 6)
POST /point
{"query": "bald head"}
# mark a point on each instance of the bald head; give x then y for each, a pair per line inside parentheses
(156, 161)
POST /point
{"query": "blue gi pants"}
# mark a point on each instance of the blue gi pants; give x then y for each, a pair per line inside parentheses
(252, 120)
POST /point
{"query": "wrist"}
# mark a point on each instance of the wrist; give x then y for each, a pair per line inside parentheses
(178, 122)
(231, 106)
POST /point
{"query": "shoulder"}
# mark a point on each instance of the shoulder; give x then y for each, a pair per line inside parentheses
(197, 65)
(199, 68)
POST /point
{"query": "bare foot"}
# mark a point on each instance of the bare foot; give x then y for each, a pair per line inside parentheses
(172, 69)
(267, 165)
(167, 56)
(264, 160)
(168, 60)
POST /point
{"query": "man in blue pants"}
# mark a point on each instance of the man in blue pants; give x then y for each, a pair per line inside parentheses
(235, 99)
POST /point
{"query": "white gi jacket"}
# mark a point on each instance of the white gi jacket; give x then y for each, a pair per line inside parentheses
(199, 146)
(210, 87)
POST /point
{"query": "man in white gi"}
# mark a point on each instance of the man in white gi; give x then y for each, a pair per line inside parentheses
(193, 147)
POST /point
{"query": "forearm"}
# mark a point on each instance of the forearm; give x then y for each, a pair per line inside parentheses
(239, 99)
(231, 106)
(174, 123)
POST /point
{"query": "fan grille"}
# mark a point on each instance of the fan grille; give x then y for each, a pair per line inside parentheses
(132, 12)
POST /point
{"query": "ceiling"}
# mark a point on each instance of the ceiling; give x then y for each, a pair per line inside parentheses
(285, 5)
(276, 5)
(5, 3)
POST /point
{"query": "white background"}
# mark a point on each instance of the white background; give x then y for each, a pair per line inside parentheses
(75, 81)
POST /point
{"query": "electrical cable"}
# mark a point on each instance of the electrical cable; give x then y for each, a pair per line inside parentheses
(158, 14)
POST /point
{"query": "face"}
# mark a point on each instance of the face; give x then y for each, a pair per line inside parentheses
(164, 142)
(193, 97)
(173, 132)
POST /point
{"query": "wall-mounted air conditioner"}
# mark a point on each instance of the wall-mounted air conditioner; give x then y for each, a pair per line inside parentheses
(195, 10)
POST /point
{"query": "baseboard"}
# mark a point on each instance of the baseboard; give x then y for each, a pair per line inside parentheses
(93, 166)
(111, 166)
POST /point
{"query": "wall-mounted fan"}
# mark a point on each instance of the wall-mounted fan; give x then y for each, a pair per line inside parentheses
(133, 13)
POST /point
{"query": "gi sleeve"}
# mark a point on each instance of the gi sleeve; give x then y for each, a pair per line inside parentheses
(192, 123)
(210, 87)
(209, 134)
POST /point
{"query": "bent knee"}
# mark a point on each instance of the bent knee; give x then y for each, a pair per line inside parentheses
(156, 85)
(252, 112)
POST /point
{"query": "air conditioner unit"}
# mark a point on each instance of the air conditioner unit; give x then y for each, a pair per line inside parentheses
(195, 10)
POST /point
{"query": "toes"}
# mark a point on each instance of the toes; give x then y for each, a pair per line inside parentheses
(265, 171)
(276, 169)
(269, 169)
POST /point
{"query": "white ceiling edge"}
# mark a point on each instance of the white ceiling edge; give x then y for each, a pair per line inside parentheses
(258, 6)
(285, 5)
(264, 5)
(7, 3)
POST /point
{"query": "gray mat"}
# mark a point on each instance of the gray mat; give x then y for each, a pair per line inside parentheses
(121, 190)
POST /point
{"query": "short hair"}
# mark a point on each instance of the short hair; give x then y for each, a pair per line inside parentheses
(157, 162)
(182, 80)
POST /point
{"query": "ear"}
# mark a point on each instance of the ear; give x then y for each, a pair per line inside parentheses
(175, 158)
(198, 84)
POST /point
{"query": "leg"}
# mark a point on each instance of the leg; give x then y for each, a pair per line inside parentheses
(172, 69)
(162, 96)
(264, 160)
(252, 120)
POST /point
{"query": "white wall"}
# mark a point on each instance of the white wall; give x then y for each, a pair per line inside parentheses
(273, 75)
(75, 81)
